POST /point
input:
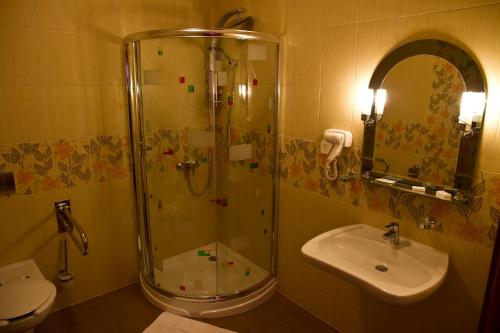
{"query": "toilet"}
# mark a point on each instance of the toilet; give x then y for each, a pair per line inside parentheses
(26, 297)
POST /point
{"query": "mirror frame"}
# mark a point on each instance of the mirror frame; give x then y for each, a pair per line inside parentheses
(474, 81)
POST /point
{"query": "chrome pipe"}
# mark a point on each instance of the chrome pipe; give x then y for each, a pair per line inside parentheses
(133, 73)
(67, 223)
(204, 33)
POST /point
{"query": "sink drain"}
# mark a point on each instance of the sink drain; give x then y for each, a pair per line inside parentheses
(381, 268)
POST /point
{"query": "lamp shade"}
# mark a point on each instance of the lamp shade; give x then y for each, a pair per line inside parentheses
(364, 101)
(472, 107)
(380, 98)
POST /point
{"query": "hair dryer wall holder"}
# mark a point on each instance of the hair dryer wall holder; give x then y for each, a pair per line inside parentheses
(334, 140)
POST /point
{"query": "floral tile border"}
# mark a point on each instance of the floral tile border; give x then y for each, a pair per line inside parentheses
(301, 165)
(169, 146)
(65, 163)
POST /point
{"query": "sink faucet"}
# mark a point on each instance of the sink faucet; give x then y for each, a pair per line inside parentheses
(393, 233)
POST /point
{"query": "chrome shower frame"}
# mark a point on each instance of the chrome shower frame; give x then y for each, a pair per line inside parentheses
(138, 144)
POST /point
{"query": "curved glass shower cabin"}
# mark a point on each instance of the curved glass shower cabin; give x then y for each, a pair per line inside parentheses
(203, 108)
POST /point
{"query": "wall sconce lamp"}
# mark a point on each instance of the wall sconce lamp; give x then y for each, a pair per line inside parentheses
(471, 113)
(371, 105)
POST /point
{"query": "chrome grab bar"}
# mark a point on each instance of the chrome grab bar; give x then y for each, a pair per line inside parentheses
(67, 223)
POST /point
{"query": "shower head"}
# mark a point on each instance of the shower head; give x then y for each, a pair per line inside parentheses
(233, 18)
(224, 18)
(245, 23)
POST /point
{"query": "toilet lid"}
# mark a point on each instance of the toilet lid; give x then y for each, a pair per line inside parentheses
(22, 296)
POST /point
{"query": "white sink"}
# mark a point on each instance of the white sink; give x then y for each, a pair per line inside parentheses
(405, 275)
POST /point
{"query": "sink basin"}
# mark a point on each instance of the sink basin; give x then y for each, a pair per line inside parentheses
(358, 253)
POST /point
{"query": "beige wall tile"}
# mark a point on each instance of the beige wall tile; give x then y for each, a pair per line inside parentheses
(370, 10)
(61, 58)
(19, 57)
(410, 7)
(338, 55)
(300, 111)
(190, 13)
(375, 40)
(122, 199)
(165, 98)
(114, 112)
(337, 108)
(18, 14)
(65, 112)
(63, 77)
(259, 114)
(273, 13)
(4, 135)
(58, 15)
(132, 15)
(25, 112)
(303, 15)
(102, 17)
(102, 59)
(303, 57)
(154, 13)
(93, 109)
(339, 12)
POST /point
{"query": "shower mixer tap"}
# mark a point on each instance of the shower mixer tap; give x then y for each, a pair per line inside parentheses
(187, 165)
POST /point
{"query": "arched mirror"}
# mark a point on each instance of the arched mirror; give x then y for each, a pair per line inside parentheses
(425, 106)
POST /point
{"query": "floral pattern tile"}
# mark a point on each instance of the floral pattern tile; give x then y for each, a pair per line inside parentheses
(169, 146)
(32, 165)
(72, 162)
(52, 165)
(302, 166)
(108, 159)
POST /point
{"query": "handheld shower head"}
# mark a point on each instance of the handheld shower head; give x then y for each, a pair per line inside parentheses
(233, 18)
(245, 23)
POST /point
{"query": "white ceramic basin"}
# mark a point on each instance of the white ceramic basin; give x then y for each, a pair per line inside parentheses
(414, 271)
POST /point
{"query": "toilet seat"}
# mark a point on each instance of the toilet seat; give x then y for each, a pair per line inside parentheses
(23, 296)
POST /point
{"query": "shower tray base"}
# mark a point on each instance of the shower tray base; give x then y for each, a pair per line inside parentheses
(206, 280)
(210, 270)
(209, 308)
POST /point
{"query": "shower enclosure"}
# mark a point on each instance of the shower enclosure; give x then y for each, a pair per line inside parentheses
(203, 111)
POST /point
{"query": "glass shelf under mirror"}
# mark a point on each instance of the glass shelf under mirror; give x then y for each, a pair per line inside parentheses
(405, 185)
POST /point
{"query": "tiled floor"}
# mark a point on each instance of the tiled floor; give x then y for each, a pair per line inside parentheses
(126, 310)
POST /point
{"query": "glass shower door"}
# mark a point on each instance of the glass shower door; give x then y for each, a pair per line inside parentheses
(181, 173)
(246, 134)
(209, 118)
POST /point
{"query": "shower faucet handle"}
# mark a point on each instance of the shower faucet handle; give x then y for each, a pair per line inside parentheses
(186, 165)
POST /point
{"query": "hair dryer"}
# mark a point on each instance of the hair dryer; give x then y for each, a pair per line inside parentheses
(333, 142)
